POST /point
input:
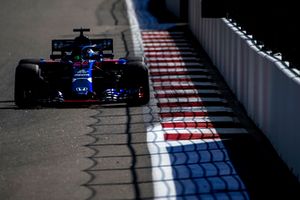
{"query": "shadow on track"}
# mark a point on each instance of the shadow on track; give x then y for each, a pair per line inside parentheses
(121, 167)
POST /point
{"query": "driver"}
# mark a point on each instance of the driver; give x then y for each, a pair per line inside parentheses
(79, 44)
(90, 53)
(85, 53)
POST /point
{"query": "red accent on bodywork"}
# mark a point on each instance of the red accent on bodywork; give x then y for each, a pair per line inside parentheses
(81, 101)
(141, 93)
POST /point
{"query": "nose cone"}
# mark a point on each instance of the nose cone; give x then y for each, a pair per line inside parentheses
(82, 78)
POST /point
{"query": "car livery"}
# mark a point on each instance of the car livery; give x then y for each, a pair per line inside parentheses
(82, 78)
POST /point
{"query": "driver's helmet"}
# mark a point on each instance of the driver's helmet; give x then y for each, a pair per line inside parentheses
(89, 53)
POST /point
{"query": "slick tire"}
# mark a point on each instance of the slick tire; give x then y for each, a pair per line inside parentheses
(26, 81)
(138, 75)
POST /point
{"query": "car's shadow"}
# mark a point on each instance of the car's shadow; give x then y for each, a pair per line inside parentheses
(10, 105)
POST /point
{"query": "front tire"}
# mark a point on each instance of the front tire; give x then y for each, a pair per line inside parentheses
(137, 75)
(26, 82)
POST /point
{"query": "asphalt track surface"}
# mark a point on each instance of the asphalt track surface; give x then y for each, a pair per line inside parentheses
(100, 152)
(71, 153)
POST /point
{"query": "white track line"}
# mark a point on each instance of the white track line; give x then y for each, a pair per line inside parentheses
(190, 99)
(162, 33)
(162, 37)
(178, 70)
(164, 40)
(195, 109)
(182, 84)
(175, 64)
(169, 48)
(180, 77)
(199, 119)
(170, 53)
(167, 45)
(174, 59)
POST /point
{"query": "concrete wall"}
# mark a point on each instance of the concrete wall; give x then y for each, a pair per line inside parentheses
(265, 85)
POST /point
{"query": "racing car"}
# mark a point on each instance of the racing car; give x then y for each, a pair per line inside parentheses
(81, 70)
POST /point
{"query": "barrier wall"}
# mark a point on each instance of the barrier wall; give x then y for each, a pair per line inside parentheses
(268, 89)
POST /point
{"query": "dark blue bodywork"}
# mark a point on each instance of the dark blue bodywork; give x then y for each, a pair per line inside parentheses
(82, 84)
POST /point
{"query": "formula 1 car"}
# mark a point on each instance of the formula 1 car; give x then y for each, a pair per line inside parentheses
(81, 70)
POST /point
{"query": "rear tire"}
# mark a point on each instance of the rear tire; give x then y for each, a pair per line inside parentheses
(26, 82)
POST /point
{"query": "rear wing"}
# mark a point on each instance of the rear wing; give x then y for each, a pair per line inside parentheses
(65, 45)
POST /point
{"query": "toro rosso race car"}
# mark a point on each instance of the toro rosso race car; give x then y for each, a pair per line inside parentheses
(81, 70)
